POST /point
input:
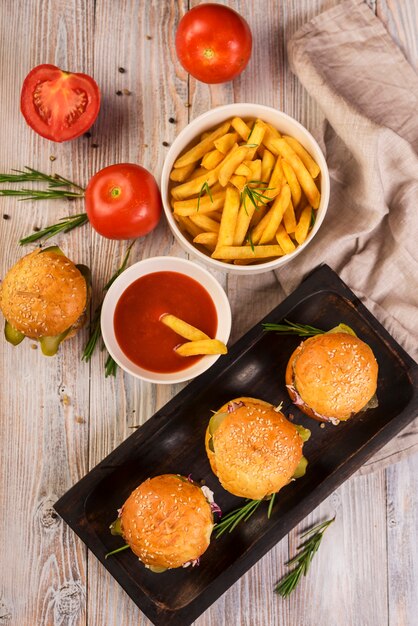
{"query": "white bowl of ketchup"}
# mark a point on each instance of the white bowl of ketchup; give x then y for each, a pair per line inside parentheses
(131, 318)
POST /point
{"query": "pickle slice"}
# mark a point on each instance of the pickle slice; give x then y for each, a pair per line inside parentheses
(215, 421)
(55, 249)
(50, 345)
(86, 273)
(13, 336)
(304, 433)
(301, 468)
(115, 527)
(342, 328)
(156, 569)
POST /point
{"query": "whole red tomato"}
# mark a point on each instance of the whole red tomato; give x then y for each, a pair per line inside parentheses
(123, 201)
(59, 105)
(213, 43)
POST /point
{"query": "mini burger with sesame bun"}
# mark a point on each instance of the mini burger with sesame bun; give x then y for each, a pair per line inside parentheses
(167, 522)
(253, 449)
(333, 375)
(44, 297)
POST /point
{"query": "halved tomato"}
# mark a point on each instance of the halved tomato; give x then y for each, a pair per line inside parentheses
(59, 105)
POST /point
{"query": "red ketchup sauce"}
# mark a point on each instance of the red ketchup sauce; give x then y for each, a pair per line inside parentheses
(143, 338)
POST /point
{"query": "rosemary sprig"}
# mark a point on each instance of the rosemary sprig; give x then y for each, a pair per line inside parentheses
(204, 189)
(63, 226)
(292, 328)
(250, 240)
(125, 547)
(95, 330)
(255, 194)
(251, 131)
(243, 513)
(303, 559)
(52, 191)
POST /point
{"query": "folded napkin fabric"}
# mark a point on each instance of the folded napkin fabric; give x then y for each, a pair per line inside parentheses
(368, 93)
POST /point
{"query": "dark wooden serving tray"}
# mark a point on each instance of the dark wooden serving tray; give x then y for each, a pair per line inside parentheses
(172, 441)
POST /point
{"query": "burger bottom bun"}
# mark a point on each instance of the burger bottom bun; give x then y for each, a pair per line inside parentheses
(167, 521)
(332, 376)
(256, 449)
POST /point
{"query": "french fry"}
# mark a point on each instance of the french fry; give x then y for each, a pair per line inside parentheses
(209, 240)
(255, 137)
(205, 346)
(292, 179)
(284, 240)
(199, 171)
(182, 328)
(205, 222)
(273, 217)
(238, 182)
(289, 219)
(302, 227)
(230, 164)
(247, 252)
(212, 159)
(198, 151)
(243, 170)
(194, 187)
(241, 127)
(189, 227)
(273, 131)
(282, 148)
(229, 217)
(205, 204)
(255, 168)
(181, 173)
(267, 165)
(225, 143)
(305, 157)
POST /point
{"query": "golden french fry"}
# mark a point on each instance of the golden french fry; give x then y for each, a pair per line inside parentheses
(273, 217)
(255, 138)
(241, 127)
(255, 167)
(282, 148)
(311, 165)
(195, 153)
(284, 240)
(182, 328)
(204, 135)
(238, 181)
(247, 252)
(212, 159)
(230, 164)
(302, 227)
(267, 165)
(225, 143)
(273, 131)
(258, 215)
(204, 204)
(195, 186)
(292, 179)
(188, 226)
(181, 173)
(205, 346)
(276, 181)
(209, 240)
(289, 219)
(199, 171)
(229, 217)
(205, 222)
(243, 170)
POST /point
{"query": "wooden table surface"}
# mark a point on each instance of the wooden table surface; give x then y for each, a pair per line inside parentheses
(60, 416)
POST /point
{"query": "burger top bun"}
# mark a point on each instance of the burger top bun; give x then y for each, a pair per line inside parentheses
(43, 294)
(332, 376)
(167, 521)
(256, 450)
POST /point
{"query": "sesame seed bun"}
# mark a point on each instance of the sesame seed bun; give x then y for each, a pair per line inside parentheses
(43, 294)
(256, 450)
(331, 377)
(167, 521)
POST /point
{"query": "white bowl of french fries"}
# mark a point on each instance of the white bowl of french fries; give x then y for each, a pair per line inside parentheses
(245, 188)
(190, 340)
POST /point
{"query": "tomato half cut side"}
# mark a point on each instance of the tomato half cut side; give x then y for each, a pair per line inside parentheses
(59, 105)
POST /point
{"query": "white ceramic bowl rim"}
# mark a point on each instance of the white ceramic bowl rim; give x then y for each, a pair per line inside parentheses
(216, 116)
(150, 266)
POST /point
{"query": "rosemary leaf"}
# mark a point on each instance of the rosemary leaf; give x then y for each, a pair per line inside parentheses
(204, 189)
(125, 547)
(303, 558)
(63, 226)
(292, 328)
(41, 194)
(230, 521)
(28, 174)
(271, 504)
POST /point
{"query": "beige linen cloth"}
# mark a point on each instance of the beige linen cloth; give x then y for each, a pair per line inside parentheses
(369, 96)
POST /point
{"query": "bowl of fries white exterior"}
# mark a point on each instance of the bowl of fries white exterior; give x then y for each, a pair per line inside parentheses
(243, 176)
(160, 265)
